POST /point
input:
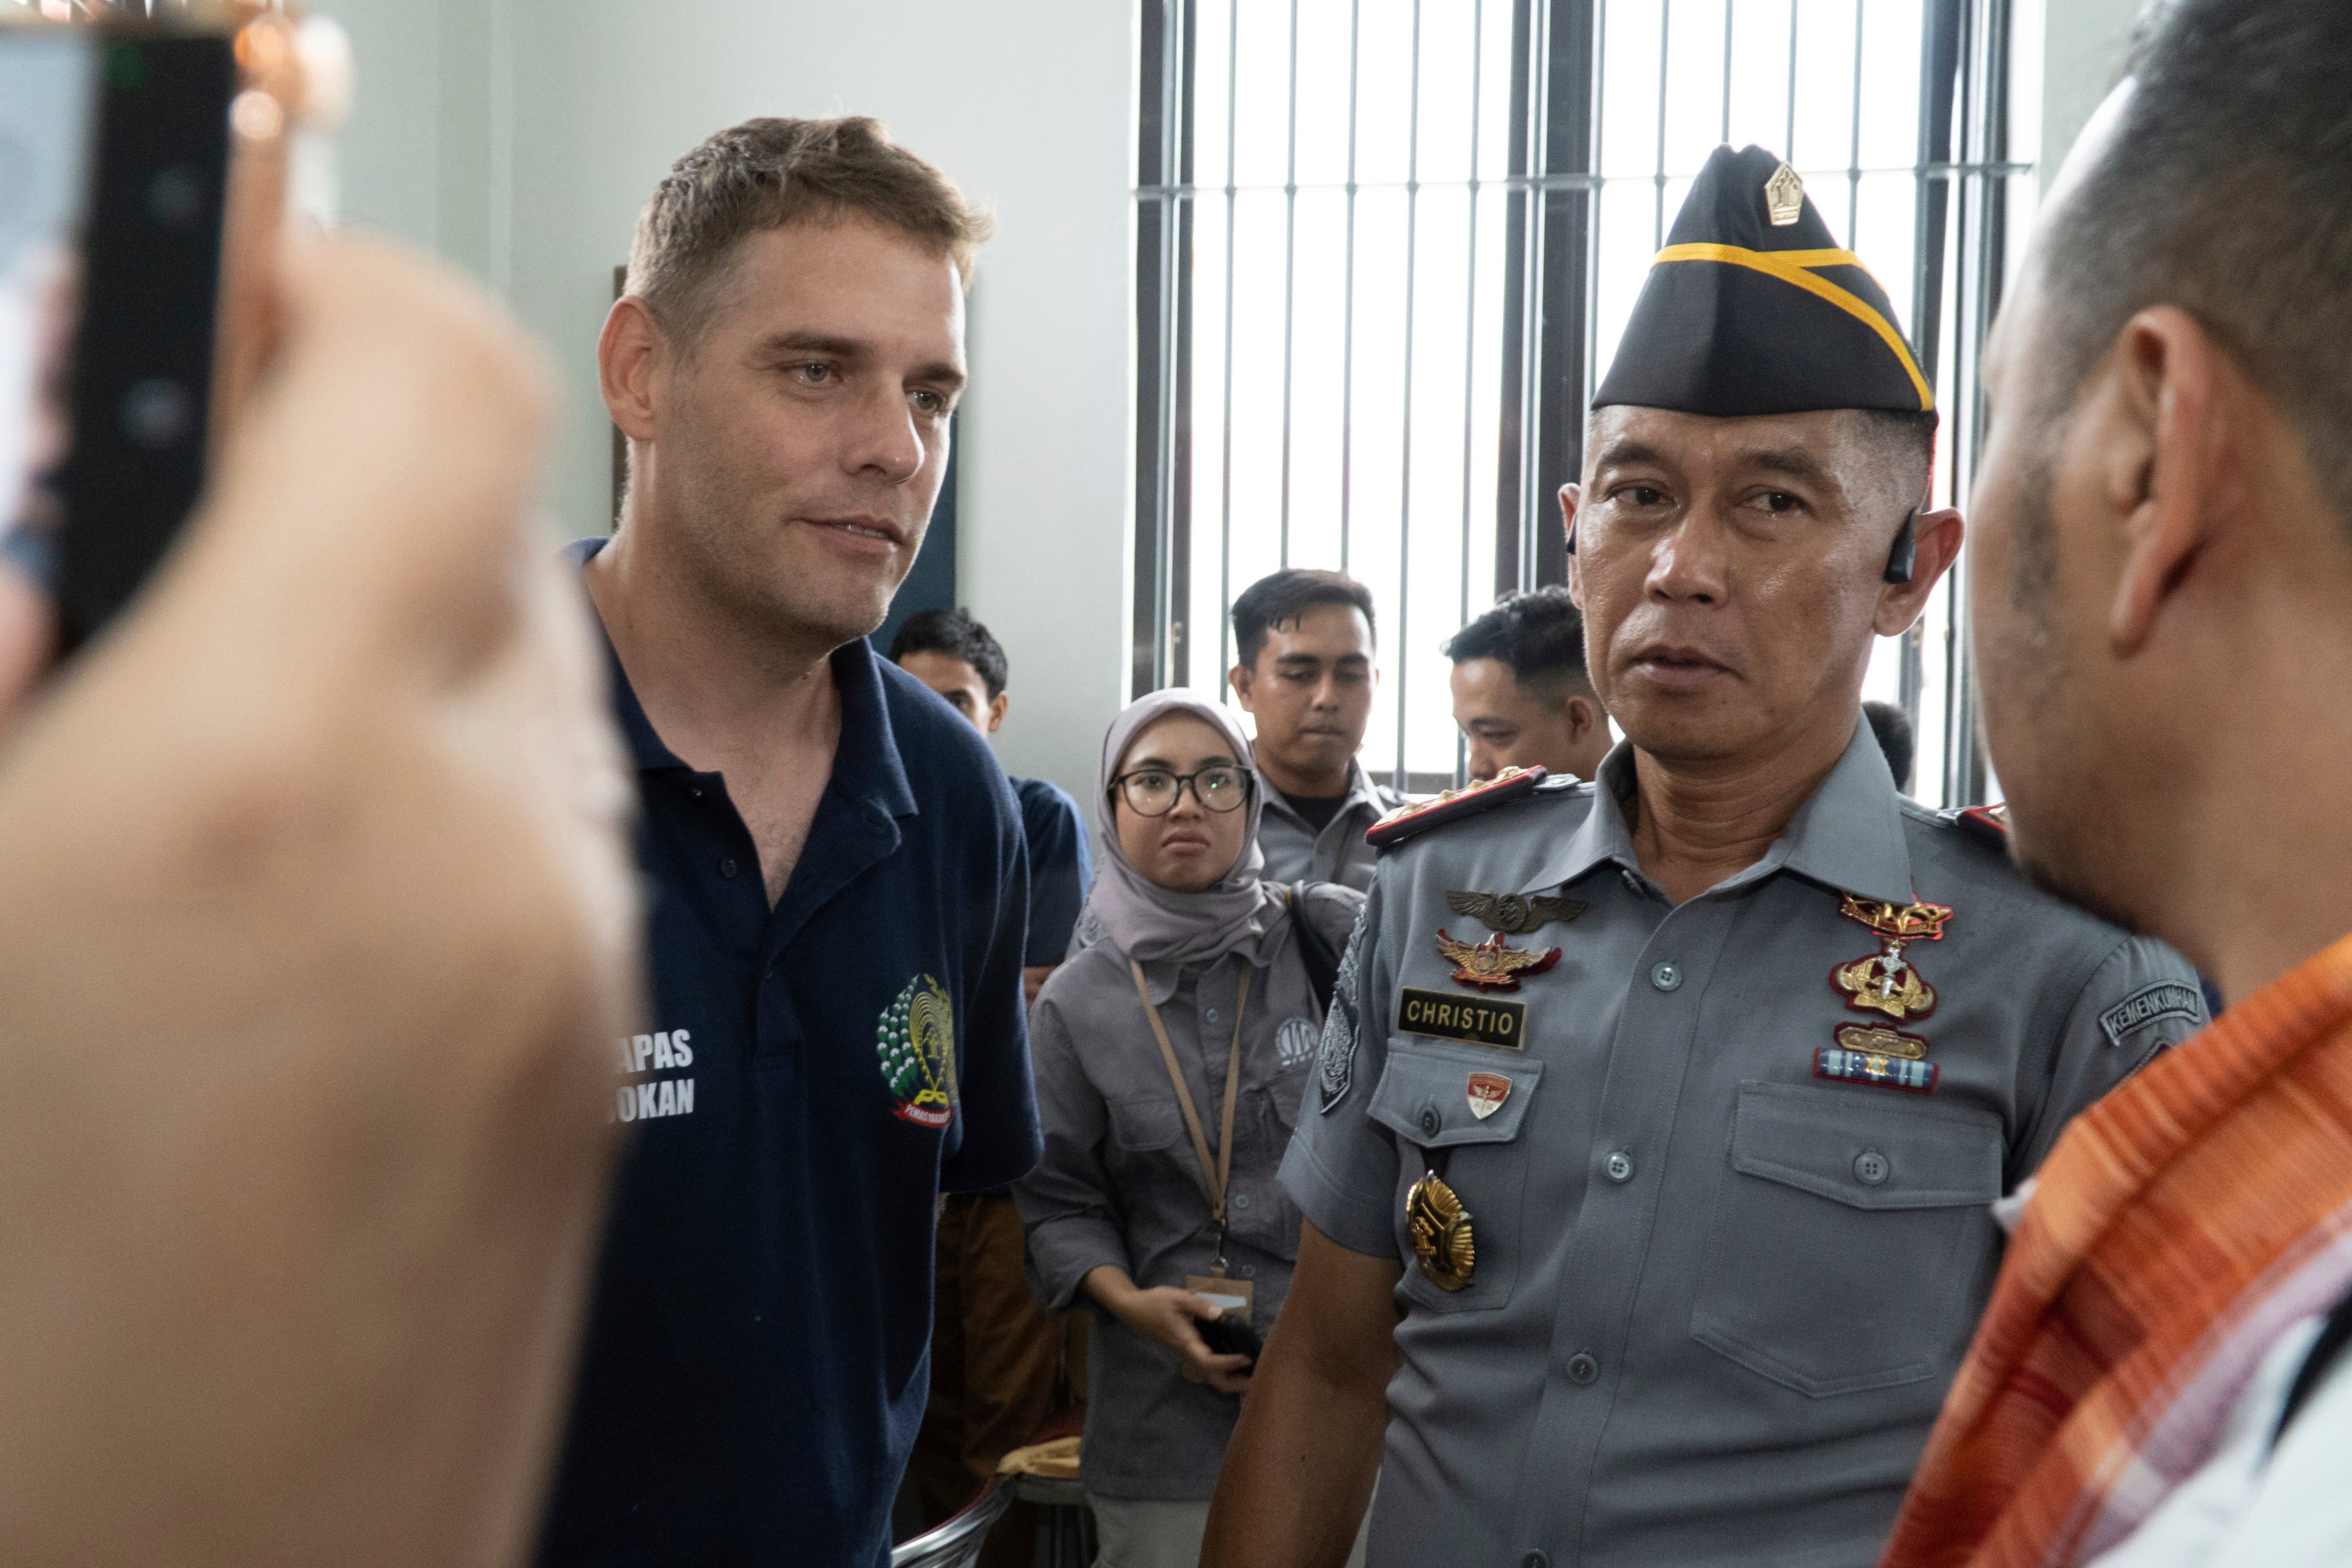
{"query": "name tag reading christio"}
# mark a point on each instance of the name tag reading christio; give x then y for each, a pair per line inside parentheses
(1477, 1020)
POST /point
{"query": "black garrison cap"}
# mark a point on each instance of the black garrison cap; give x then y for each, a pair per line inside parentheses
(1752, 307)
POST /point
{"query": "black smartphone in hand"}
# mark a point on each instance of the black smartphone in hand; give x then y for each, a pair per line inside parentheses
(1228, 1335)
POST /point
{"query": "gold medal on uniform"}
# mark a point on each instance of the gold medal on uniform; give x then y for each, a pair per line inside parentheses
(1886, 982)
(1440, 1228)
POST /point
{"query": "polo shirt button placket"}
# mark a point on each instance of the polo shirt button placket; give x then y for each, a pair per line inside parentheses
(727, 866)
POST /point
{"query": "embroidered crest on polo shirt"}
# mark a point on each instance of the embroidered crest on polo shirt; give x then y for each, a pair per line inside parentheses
(915, 1041)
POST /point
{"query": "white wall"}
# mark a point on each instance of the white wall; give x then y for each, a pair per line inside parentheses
(2082, 56)
(520, 137)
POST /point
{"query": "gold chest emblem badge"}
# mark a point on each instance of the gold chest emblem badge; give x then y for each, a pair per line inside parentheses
(1440, 1228)
(1886, 982)
(1492, 964)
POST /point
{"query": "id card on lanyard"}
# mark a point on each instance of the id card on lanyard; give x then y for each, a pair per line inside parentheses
(1236, 1297)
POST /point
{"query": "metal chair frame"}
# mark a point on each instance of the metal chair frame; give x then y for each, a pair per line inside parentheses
(957, 1544)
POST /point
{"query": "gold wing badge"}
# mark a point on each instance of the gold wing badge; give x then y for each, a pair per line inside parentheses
(1492, 964)
(1440, 1228)
(1515, 913)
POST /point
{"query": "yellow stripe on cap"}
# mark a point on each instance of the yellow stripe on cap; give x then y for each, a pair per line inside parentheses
(1790, 267)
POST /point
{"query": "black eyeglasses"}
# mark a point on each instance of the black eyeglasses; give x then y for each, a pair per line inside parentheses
(1153, 792)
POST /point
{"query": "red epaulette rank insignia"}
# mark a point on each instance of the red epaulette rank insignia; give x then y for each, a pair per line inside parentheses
(1987, 824)
(1410, 821)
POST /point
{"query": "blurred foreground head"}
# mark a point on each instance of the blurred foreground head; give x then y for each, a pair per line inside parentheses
(2163, 583)
(316, 921)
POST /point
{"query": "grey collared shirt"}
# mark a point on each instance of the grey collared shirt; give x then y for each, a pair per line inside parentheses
(1717, 1297)
(1120, 1183)
(1296, 852)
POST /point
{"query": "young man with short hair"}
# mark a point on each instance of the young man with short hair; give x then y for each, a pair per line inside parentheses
(838, 890)
(1521, 695)
(1305, 642)
(995, 1354)
(958, 657)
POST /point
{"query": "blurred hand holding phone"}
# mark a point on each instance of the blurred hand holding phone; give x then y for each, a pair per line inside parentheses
(317, 912)
(144, 180)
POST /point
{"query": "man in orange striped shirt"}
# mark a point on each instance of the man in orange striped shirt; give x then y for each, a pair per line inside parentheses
(2162, 596)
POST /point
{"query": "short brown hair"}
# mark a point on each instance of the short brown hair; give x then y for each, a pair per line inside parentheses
(767, 173)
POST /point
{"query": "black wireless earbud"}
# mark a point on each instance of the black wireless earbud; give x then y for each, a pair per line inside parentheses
(1900, 559)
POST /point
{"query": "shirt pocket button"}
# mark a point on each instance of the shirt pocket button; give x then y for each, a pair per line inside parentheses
(1429, 1122)
(1870, 1167)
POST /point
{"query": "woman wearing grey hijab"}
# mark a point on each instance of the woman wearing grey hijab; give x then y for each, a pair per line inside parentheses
(1170, 1057)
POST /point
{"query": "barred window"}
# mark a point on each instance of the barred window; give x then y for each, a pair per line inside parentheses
(1386, 247)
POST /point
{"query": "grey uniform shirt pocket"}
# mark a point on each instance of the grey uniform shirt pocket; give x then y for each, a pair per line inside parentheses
(1424, 1097)
(1849, 1238)
(1144, 1123)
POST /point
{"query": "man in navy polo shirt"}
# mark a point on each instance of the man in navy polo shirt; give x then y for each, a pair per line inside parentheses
(838, 892)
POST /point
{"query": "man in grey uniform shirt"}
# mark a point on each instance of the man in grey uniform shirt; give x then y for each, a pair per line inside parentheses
(1304, 675)
(1649, 1175)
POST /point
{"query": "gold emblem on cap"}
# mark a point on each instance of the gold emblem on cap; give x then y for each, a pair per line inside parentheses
(1440, 1228)
(1784, 196)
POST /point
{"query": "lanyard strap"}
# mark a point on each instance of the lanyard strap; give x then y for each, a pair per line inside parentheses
(1215, 1181)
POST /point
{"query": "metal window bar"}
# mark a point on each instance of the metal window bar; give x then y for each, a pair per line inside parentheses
(1403, 779)
(1547, 357)
(1290, 274)
(1233, 196)
(1470, 347)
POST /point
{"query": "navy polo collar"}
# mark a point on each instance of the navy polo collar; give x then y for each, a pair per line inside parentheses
(1848, 834)
(865, 765)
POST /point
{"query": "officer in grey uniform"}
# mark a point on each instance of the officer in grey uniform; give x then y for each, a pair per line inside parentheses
(1676, 1176)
